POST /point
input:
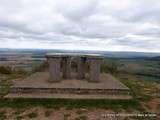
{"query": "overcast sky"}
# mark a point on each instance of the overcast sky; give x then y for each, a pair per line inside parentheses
(111, 25)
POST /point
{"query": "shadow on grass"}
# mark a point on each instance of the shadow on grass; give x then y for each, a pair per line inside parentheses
(68, 103)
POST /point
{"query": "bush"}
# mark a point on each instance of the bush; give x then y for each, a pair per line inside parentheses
(110, 68)
(5, 70)
(32, 115)
(21, 71)
(42, 67)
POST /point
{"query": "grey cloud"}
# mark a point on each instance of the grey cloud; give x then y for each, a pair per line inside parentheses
(141, 11)
(78, 10)
(86, 24)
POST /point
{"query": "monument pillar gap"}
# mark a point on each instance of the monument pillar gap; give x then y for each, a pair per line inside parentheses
(55, 66)
(54, 69)
(66, 67)
(81, 67)
(95, 64)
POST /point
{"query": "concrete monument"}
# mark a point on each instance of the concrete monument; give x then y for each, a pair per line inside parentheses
(55, 60)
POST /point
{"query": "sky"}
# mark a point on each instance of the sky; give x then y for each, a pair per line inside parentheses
(105, 25)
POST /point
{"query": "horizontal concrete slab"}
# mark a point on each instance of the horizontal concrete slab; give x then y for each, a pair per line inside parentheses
(40, 80)
(69, 96)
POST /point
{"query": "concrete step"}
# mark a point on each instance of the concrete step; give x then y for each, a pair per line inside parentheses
(67, 96)
(79, 91)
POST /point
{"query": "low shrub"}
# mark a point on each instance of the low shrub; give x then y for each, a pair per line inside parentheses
(5, 70)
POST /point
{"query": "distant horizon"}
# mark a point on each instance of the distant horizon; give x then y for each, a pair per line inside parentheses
(78, 50)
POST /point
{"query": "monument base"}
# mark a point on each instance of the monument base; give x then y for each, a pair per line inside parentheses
(37, 86)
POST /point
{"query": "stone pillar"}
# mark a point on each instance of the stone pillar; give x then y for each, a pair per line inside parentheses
(66, 67)
(81, 67)
(54, 69)
(95, 64)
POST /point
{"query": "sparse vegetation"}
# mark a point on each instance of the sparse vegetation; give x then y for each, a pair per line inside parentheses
(82, 117)
(81, 111)
(8, 70)
(5, 70)
(110, 68)
(19, 117)
(32, 115)
(41, 67)
(19, 111)
(53, 103)
(47, 113)
(20, 72)
(2, 115)
(66, 116)
(4, 88)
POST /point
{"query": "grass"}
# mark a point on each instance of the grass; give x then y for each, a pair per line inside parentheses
(2, 115)
(54, 103)
(47, 113)
(80, 111)
(144, 98)
(32, 115)
(5, 85)
(82, 117)
(19, 111)
(147, 69)
(142, 89)
(158, 108)
(4, 89)
(19, 117)
(66, 116)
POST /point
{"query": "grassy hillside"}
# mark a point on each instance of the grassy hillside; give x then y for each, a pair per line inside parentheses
(141, 75)
(144, 68)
